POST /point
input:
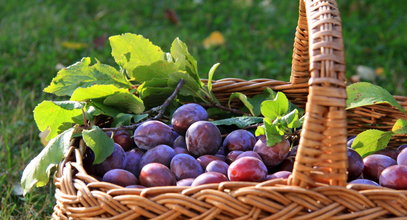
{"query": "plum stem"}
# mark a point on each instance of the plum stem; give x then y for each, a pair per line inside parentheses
(159, 109)
(219, 106)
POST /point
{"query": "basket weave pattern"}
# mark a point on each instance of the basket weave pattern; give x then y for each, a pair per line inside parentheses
(316, 190)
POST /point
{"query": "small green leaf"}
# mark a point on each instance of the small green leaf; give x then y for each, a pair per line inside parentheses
(125, 101)
(274, 108)
(273, 133)
(83, 74)
(364, 93)
(37, 172)
(56, 116)
(190, 87)
(260, 130)
(291, 119)
(210, 75)
(184, 60)
(106, 110)
(240, 122)
(243, 98)
(131, 51)
(122, 119)
(268, 94)
(400, 127)
(370, 141)
(99, 142)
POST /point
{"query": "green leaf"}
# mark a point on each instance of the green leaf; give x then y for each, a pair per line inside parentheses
(99, 142)
(274, 134)
(190, 87)
(268, 94)
(274, 108)
(400, 127)
(131, 51)
(114, 97)
(291, 119)
(243, 98)
(370, 141)
(260, 130)
(96, 92)
(37, 172)
(82, 74)
(106, 110)
(363, 93)
(56, 116)
(240, 122)
(122, 119)
(125, 101)
(158, 70)
(210, 75)
(184, 60)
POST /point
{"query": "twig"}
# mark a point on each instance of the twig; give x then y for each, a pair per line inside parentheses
(160, 109)
(85, 121)
(219, 106)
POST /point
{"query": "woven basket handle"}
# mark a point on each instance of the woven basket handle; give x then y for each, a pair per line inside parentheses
(322, 153)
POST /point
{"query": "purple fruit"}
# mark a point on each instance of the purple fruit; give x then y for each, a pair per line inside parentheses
(202, 138)
(364, 181)
(232, 156)
(374, 165)
(355, 164)
(114, 161)
(123, 138)
(135, 187)
(279, 175)
(217, 166)
(120, 177)
(156, 174)
(160, 154)
(247, 169)
(180, 142)
(249, 154)
(204, 160)
(185, 166)
(185, 182)
(209, 177)
(180, 150)
(153, 133)
(186, 115)
(272, 155)
(402, 157)
(394, 177)
(132, 160)
(239, 140)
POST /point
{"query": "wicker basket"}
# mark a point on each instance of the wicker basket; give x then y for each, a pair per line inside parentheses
(317, 71)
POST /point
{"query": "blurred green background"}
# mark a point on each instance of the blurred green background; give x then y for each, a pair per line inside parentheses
(39, 37)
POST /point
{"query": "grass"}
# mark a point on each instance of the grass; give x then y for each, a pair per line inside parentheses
(259, 37)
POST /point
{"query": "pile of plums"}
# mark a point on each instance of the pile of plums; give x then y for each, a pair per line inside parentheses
(192, 152)
(386, 167)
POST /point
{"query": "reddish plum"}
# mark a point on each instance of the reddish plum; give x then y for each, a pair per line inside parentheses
(272, 155)
(394, 177)
(374, 164)
(209, 177)
(247, 169)
(156, 174)
(402, 158)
